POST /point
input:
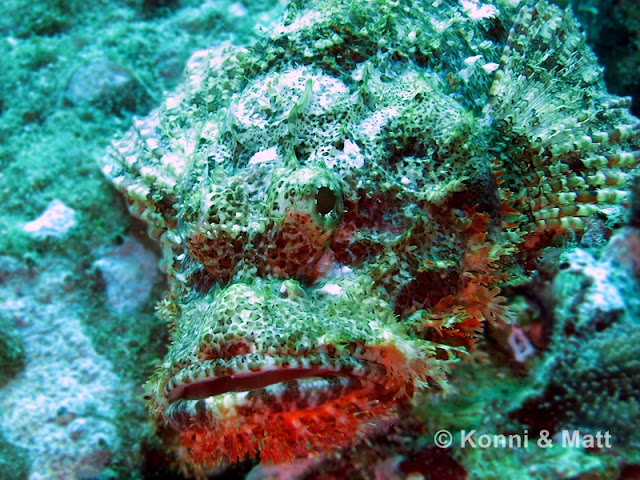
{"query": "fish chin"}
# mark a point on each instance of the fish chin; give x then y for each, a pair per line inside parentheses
(282, 413)
(282, 421)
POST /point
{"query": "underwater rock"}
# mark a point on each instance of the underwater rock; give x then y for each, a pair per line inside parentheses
(107, 86)
(622, 255)
(67, 405)
(55, 221)
(340, 205)
(129, 272)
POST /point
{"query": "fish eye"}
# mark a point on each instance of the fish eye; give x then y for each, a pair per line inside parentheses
(325, 200)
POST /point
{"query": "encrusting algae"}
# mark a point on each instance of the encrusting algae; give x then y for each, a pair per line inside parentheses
(340, 205)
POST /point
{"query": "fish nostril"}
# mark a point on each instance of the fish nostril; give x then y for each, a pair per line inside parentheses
(325, 200)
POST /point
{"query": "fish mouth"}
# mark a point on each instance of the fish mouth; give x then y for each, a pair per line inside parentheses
(245, 382)
(207, 392)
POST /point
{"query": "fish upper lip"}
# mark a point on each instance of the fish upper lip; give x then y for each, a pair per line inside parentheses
(241, 373)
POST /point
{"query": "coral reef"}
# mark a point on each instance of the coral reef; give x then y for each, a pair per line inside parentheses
(590, 378)
(64, 409)
(340, 206)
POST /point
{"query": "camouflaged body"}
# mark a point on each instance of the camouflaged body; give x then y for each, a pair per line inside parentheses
(362, 181)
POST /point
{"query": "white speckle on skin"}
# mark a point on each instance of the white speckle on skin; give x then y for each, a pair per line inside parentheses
(478, 12)
(441, 26)
(469, 61)
(355, 159)
(374, 124)
(332, 289)
(268, 155)
(466, 73)
(55, 221)
(490, 67)
(252, 299)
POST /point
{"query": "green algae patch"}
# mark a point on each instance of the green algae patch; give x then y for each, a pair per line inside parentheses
(14, 461)
(12, 356)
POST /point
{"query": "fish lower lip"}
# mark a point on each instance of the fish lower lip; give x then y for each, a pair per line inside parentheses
(234, 408)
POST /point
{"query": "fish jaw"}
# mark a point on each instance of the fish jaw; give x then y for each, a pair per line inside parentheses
(282, 436)
(231, 394)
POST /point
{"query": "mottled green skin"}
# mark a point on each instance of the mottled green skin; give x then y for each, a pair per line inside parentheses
(358, 186)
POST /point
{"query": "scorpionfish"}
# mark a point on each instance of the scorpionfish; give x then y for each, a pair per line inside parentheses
(342, 205)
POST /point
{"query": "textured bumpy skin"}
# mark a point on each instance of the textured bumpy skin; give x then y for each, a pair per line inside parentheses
(340, 205)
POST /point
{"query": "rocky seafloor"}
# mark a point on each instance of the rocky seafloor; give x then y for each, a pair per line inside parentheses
(78, 277)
